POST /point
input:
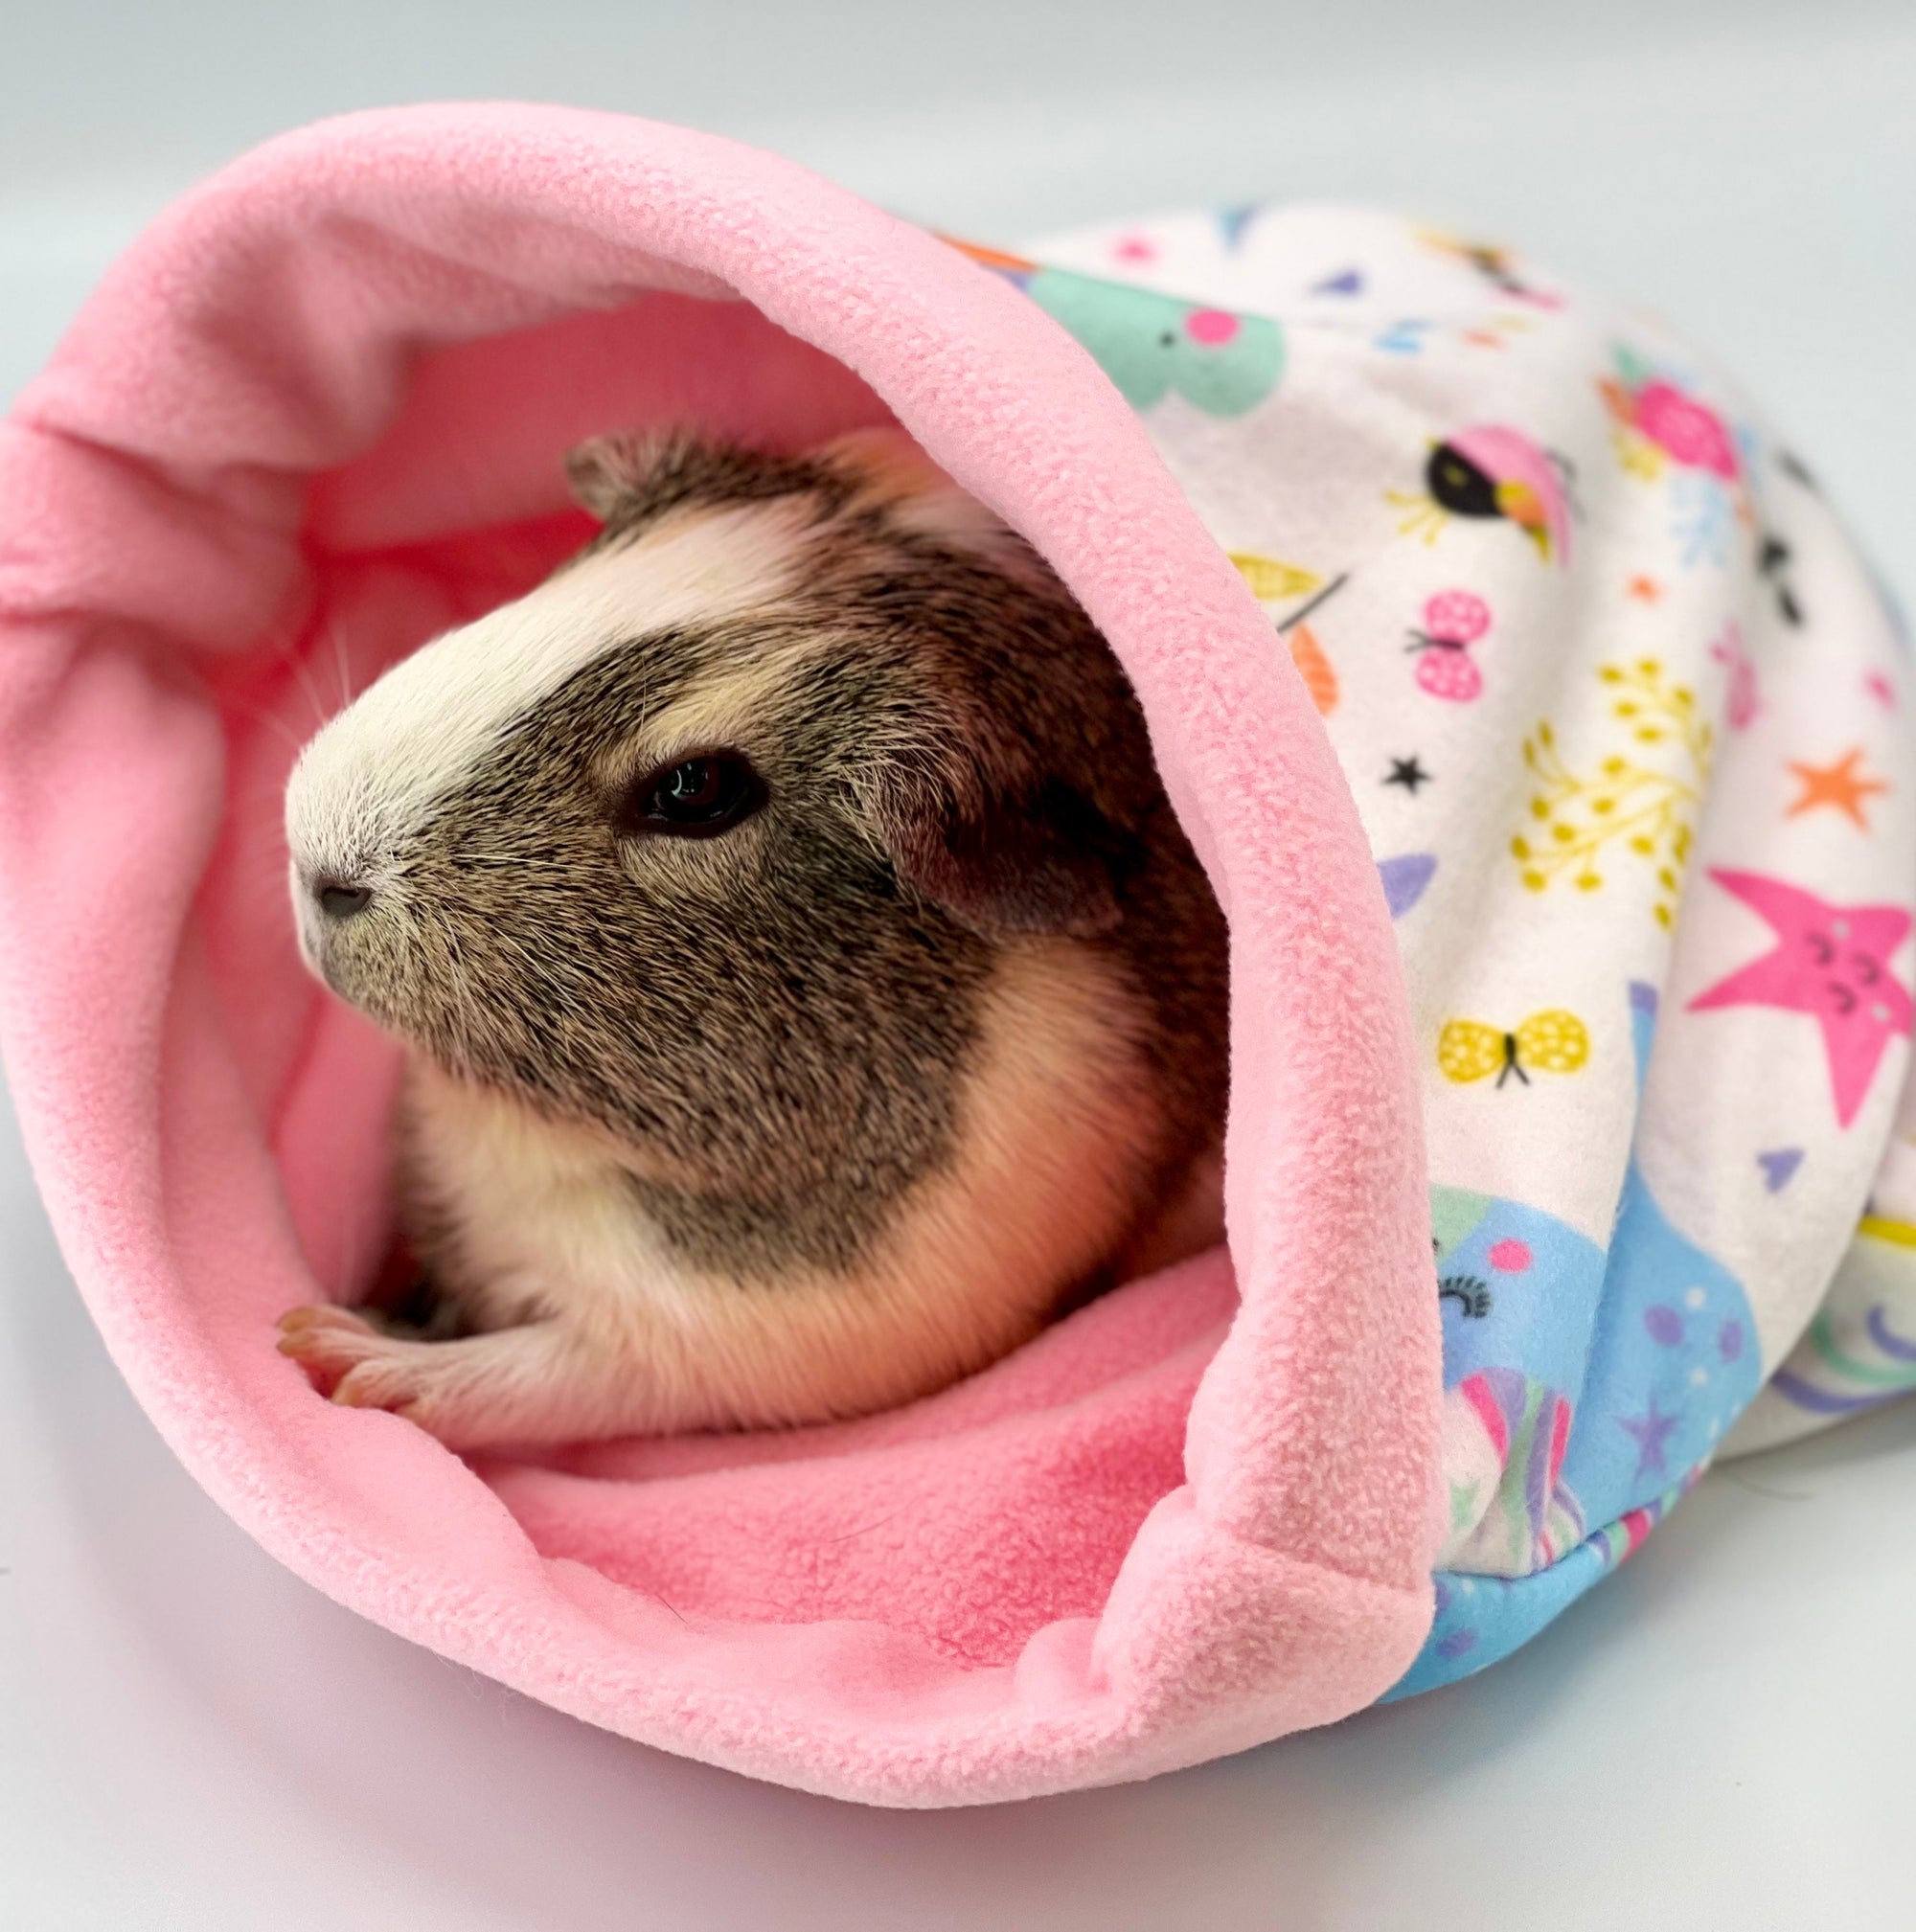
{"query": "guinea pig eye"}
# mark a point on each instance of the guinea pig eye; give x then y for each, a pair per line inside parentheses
(694, 798)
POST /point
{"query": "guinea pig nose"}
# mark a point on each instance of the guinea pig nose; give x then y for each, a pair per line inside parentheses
(342, 902)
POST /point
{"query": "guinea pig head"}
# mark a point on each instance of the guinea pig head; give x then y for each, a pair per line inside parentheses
(797, 846)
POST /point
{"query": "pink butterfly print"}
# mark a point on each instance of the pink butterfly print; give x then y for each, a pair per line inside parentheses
(1454, 620)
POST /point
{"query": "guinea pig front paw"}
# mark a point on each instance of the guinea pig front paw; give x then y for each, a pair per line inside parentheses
(345, 1357)
(518, 1384)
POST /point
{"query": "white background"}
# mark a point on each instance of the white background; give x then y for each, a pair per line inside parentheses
(1719, 1738)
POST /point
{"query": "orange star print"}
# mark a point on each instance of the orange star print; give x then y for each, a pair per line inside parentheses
(1841, 785)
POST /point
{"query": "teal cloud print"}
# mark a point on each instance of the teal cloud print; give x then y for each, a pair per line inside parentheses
(1150, 345)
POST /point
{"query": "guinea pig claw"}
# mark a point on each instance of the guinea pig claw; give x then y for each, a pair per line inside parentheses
(358, 1390)
(320, 1315)
(328, 1342)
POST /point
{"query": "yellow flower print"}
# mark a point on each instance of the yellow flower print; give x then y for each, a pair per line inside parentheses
(1642, 799)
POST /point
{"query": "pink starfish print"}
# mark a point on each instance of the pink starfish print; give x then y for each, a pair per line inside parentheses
(1880, 689)
(1831, 962)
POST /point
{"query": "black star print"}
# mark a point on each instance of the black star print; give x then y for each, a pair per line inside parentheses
(1408, 773)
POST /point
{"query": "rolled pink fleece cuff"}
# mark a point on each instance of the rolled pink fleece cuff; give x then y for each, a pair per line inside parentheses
(314, 416)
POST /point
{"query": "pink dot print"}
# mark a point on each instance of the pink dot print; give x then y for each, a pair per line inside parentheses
(1212, 326)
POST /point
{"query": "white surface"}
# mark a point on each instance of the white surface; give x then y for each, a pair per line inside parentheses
(1716, 1737)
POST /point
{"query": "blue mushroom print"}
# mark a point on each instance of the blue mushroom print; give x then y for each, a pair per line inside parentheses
(1153, 344)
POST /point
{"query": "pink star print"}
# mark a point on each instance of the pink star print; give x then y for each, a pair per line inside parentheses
(1831, 962)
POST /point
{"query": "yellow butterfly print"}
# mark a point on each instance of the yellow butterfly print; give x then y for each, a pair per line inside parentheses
(1552, 1042)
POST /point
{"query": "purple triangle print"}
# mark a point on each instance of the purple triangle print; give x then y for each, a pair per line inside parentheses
(1350, 282)
(1404, 879)
(1779, 1167)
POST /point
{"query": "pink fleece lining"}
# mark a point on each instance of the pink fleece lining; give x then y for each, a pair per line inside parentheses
(316, 416)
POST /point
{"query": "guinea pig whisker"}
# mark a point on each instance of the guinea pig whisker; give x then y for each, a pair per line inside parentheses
(257, 715)
(863, 1528)
(304, 672)
(349, 1259)
(339, 664)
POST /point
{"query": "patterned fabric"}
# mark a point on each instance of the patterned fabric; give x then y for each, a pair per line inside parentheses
(1627, 723)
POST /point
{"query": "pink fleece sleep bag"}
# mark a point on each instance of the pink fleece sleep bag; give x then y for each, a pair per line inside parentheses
(314, 417)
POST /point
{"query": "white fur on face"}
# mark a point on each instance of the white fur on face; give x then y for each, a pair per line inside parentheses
(370, 778)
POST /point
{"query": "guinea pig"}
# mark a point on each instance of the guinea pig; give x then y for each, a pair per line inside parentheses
(805, 988)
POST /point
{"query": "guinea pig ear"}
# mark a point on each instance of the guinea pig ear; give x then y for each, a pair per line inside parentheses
(886, 469)
(883, 462)
(1044, 861)
(609, 471)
